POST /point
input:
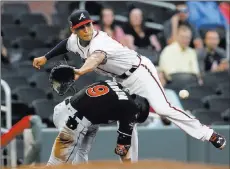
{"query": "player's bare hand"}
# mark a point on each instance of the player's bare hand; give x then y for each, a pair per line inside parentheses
(77, 74)
(39, 61)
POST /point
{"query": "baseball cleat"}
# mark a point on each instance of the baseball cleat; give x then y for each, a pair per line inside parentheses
(218, 141)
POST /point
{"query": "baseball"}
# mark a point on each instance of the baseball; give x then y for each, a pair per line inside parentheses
(183, 94)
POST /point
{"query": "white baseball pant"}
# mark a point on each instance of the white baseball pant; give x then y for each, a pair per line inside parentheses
(72, 146)
(77, 144)
(145, 82)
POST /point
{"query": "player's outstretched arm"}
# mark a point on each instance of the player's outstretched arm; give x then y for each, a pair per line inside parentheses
(124, 140)
(90, 64)
(59, 49)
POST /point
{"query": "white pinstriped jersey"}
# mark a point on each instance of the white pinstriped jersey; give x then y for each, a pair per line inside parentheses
(119, 59)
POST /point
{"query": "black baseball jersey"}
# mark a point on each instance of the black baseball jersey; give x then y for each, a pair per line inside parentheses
(104, 101)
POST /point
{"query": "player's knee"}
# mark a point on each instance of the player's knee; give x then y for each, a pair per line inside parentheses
(66, 137)
(161, 110)
(69, 132)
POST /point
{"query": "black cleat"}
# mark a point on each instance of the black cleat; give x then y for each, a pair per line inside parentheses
(218, 141)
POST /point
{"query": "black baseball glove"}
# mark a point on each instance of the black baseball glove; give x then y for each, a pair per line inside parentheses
(62, 78)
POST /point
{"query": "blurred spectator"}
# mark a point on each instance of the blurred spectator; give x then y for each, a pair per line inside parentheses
(178, 57)
(205, 14)
(212, 57)
(137, 34)
(107, 25)
(181, 18)
(4, 56)
(225, 10)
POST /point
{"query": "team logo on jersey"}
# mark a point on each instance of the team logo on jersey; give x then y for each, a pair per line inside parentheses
(82, 16)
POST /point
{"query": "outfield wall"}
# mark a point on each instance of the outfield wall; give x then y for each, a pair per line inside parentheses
(160, 143)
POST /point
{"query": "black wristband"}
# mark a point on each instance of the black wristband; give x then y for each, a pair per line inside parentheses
(59, 49)
(124, 139)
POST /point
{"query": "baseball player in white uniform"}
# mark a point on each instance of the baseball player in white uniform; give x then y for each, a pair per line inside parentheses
(134, 72)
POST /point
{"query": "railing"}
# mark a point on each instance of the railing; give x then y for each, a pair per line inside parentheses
(11, 149)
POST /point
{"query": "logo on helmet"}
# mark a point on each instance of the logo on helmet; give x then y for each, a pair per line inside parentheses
(82, 16)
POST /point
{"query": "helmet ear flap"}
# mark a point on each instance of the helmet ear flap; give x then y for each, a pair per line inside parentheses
(143, 106)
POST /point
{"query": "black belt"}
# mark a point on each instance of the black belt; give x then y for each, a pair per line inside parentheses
(130, 71)
(127, 73)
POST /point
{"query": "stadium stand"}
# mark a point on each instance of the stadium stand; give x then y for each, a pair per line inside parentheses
(12, 32)
(37, 52)
(206, 116)
(25, 70)
(225, 115)
(15, 81)
(16, 8)
(23, 94)
(179, 81)
(30, 19)
(40, 80)
(214, 78)
(7, 19)
(216, 103)
(44, 109)
(223, 89)
(27, 35)
(192, 104)
(197, 91)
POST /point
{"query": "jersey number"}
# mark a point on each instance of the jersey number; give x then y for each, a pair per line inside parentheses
(97, 91)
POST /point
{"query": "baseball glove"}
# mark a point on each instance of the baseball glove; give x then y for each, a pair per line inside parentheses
(62, 78)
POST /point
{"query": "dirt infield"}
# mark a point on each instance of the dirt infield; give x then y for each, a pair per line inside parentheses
(140, 165)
